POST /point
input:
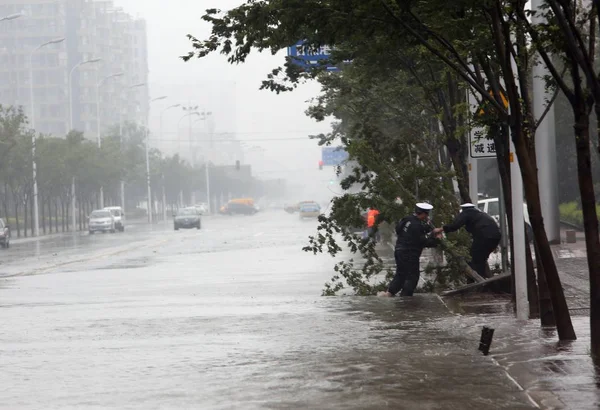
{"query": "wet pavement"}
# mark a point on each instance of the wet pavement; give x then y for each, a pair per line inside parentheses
(231, 317)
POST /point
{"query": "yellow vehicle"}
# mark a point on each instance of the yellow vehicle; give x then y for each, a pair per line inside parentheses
(239, 206)
(309, 210)
(243, 201)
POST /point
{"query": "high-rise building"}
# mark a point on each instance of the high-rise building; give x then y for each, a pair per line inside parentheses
(92, 30)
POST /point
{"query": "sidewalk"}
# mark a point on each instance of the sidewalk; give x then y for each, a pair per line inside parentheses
(44, 236)
(555, 375)
(430, 359)
(548, 373)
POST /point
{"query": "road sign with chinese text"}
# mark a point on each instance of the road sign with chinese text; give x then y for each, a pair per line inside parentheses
(307, 59)
(481, 147)
(333, 156)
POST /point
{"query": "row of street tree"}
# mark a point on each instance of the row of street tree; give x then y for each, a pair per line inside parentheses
(60, 160)
(401, 105)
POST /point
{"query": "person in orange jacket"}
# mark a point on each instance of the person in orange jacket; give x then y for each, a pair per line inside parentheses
(372, 231)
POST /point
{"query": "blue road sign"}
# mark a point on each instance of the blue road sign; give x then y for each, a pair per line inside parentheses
(333, 156)
(307, 59)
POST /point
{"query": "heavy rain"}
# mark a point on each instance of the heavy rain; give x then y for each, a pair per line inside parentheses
(328, 204)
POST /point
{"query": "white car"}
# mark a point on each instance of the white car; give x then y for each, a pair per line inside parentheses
(491, 206)
(101, 220)
(202, 208)
(118, 215)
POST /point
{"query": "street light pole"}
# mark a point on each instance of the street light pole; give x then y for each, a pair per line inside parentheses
(204, 117)
(164, 196)
(70, 85)
(150, 202)
(179, 124)
(70, 80)
(98, 139)
(36, 214)
(121, 138)
(11, 17)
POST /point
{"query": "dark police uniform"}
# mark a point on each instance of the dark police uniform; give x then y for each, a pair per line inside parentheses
(486, 235)
(413, 235)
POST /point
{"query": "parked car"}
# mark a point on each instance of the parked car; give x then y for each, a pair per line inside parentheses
(187, 218)
(310, 210)
(101, 220)
(491, 206)
(233, 208)
(119, 215)
(202, 208)
(4, 234)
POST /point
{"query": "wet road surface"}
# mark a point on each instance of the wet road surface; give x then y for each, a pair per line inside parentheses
(228, 317)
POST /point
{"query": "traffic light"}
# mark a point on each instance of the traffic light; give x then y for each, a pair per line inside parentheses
(320, 165)
(237, 165)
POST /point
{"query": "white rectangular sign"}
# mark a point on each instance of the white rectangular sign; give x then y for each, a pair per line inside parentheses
(481, 147)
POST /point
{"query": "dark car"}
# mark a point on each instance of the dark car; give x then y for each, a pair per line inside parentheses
(187, 218)
(4, 234)
(233, 208)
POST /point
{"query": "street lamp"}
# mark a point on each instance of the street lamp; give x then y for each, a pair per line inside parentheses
(100, 83)
(203, 117)
(36, 214)
(98, 139)
(150, 202)
(70, 86)
(164, 195)
(11, 17)
(186, 115)
(76, 66)
(161, 117)
(121, 136)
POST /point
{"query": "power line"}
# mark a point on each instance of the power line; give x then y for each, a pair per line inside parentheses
(254, 132)
(186, 140)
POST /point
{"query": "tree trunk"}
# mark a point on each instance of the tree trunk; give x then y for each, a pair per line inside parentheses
(17, 222)
(68, 215)
(590, 219)
(27, 216)
(46, 218)
(5, 202)
(43, 215)
(532, 287)
(63, 216)
(546, 312)
(564, 326)
(56, 225)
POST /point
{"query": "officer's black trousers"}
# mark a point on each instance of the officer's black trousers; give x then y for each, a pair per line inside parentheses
(480, 252)
(407, 273)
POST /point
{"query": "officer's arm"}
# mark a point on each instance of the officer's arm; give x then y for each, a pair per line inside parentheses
(420, 235)
(399, 227)
(458, 222)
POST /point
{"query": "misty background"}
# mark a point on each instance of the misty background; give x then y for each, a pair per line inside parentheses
(273, 127)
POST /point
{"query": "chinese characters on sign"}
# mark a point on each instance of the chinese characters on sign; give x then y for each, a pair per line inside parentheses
(483, 149)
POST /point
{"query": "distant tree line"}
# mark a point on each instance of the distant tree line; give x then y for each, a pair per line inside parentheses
(60, 160)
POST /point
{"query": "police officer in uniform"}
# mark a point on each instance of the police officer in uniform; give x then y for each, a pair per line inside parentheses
(485, 231)
(414, 233)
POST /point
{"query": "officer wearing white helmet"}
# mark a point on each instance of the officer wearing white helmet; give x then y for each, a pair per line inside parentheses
(485, 231)
(414, 234)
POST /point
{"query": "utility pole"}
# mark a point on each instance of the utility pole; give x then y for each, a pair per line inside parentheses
(98, 123)
(36, 213)
(545, 143)
(518, 223)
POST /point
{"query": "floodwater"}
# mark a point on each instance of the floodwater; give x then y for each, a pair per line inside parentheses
(228, 317)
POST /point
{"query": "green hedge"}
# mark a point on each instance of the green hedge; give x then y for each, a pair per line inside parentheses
(570, 212)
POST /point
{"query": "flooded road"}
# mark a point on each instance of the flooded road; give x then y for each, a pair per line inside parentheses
(228, 317)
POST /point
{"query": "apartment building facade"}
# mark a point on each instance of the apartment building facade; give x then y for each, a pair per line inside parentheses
(114, 85)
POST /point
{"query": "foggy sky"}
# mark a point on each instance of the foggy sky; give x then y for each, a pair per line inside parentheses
(229, 92)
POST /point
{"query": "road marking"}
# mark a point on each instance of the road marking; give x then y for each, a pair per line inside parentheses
(258, 234)
(114, 252)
